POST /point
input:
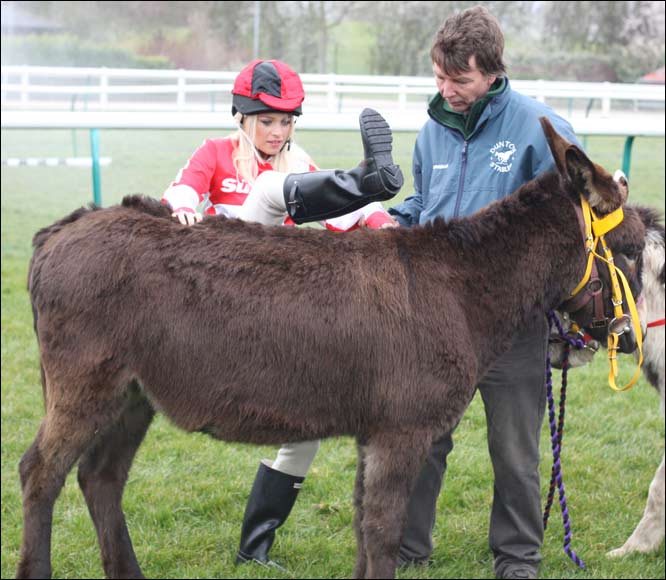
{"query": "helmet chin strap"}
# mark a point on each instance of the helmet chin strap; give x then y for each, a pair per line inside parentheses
(287, 143)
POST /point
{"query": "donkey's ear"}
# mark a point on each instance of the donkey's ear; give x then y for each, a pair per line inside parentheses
(622, 183)
(603, 192)
(558, 145)
(588, 179)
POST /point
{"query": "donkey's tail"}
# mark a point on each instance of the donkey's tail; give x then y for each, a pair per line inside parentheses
(38, 242)
(39, 239)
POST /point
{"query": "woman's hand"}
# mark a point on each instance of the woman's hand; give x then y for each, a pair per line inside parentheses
(186, 216)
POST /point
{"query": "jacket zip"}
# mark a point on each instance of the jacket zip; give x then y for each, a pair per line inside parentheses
(461, 183)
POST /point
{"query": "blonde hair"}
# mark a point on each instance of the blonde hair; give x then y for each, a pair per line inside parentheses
(246, 157)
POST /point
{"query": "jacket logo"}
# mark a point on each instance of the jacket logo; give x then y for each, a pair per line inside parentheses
(231, 185)
(500, 156)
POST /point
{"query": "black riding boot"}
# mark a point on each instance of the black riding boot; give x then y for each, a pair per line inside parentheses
(271, 499)
(327, 194)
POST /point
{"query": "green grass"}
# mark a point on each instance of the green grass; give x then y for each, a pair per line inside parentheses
(186, 493)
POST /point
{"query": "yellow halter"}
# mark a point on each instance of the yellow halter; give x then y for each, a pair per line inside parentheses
(595, 228)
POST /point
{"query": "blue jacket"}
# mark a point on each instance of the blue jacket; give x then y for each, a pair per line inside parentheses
(454, 176)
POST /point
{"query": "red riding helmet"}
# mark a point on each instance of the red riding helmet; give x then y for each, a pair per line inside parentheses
(267, 85)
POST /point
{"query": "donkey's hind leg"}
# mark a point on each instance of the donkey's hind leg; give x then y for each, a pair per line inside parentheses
(392, 463)
(66, 431)
(103, 471)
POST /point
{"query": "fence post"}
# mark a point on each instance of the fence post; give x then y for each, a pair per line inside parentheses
(402, 97)
(103, 90)
(180, 102)
(25, 86)
(94, 155)
(606, 101)
(626, 157)
(330, 95)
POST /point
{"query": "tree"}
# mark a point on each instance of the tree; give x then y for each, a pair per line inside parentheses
(405, 30)
(579, 40)
(628, 36)
(299, 32)
(598, 25)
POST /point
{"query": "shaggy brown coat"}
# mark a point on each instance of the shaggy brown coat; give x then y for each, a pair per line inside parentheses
(270, 334)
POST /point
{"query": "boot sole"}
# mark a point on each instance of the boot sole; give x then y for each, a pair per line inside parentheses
(377, 137)
(377, 145)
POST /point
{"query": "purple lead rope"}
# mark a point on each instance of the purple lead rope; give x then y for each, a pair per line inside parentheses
(556, 431)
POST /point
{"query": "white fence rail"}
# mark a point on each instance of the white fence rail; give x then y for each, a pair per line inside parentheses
(108, 89)
(48, 98)
(398, 120)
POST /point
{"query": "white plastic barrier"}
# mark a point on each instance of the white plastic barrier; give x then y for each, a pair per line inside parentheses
(398, 120)
(26, 87)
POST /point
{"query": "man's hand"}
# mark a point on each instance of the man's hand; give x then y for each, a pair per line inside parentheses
(385, 221)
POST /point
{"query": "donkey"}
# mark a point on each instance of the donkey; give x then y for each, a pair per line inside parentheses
(294, 334)
(649, 532)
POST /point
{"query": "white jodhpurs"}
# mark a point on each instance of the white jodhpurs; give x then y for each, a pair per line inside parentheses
(295, 458)
(265, 203)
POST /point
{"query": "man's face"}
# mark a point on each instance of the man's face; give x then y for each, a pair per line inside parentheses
(462, 90)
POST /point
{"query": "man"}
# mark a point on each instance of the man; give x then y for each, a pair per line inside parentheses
(481, 143)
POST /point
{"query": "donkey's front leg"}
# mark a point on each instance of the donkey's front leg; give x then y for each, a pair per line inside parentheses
(649, 533)
(392, 463)
(359, 492)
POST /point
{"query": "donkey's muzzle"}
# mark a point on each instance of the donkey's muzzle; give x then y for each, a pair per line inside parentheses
(628, 343)
(624, 329)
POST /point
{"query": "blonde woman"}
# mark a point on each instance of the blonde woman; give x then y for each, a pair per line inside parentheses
(259, 174)
(218, 178)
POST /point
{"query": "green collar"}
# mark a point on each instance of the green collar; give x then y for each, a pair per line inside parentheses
(465, 123)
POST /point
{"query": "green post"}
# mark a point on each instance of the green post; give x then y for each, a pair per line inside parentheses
(626, 158)
(94, 154)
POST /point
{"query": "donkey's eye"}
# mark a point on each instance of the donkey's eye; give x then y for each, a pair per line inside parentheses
(633, 252)
(631, 260)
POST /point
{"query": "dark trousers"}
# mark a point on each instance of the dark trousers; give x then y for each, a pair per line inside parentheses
(514, 397)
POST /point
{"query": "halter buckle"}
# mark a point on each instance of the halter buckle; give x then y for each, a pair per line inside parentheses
(620, 325)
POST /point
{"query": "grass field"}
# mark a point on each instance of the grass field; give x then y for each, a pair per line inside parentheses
(186, 493)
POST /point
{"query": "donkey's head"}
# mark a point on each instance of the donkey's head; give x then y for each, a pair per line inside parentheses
(595, 304)
(603, 192)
